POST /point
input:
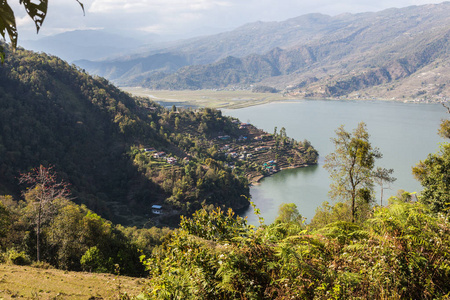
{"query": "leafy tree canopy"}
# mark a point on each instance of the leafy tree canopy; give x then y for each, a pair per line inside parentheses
(351, 167)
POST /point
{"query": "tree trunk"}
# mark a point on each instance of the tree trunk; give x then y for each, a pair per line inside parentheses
(38, 233)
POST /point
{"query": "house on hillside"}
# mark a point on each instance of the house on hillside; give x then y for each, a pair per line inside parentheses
(244, 125)
(157, 209)
(171, 160)
(159, 154)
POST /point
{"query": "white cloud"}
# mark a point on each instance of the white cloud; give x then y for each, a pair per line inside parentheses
(182, 16)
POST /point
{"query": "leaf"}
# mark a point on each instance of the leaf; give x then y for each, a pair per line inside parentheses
(37, 12)
(82, 6)
(8, 23)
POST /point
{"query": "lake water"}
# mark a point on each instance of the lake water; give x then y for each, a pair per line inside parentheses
(404, 132)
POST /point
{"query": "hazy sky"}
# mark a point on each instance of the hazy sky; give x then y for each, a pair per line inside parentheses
(179, 17)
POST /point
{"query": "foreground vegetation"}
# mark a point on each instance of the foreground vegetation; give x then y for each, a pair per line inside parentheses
(26, 282)
(401, 252)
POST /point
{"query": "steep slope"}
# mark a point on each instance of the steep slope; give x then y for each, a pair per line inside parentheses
(123, 154)
(254, 38)
(53, 114)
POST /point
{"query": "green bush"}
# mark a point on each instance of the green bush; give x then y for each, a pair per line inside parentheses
(17, 258)
(93, 261)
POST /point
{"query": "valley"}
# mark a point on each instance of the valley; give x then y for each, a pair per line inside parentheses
(200, 176)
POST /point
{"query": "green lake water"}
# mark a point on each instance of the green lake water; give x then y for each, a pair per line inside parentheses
(404, 132)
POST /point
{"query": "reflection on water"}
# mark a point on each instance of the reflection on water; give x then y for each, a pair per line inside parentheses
(298, 186)
(404, 132)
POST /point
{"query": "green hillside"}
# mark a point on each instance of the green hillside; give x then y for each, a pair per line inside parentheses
(103, 142)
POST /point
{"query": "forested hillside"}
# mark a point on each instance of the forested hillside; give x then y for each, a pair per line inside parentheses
(122, 154)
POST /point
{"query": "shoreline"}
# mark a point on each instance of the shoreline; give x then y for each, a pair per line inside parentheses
(242, 98)
(257, 179)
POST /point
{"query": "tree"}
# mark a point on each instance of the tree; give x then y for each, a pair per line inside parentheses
(287, 213)
(36, 11)
(444, 130)
(383, 176)
(351, 167)
(4, 219)
(43, 191)
(434, 173)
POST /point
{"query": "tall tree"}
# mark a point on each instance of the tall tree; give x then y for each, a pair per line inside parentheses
(44, 189)
(383, 178)
(434, 173)
(351, 166)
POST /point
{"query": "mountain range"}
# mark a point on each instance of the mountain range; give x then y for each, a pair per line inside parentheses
(82, 44)
(395, 53)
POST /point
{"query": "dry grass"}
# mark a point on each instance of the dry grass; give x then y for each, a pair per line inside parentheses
(17, 282)
(207, 98)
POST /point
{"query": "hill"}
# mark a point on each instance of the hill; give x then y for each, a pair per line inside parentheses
(392, 53)
(123, 154)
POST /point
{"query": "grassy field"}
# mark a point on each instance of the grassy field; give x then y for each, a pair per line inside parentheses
(207, 98)
(24, 282)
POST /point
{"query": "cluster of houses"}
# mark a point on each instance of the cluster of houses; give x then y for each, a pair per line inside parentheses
(227, 137)
(233, 154)
(262, 148)
(270, 166)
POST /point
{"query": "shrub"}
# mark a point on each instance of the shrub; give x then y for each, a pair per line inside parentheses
(17, 258)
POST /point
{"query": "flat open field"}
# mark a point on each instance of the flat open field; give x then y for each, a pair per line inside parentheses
(25, 282)
(206, 98)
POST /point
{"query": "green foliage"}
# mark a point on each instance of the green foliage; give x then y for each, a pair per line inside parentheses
(326, 214)
(400, 253)
(444, 129)
(17, 257)
(214, 224)
(351, 167)
(434, 175)
(92, 133)
(4, 220)
(288, 213)
(76, 238)
(93, 261)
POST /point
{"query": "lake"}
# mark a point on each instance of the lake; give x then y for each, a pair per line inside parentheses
(404, 132)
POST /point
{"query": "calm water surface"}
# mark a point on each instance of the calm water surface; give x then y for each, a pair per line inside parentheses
(404, 132)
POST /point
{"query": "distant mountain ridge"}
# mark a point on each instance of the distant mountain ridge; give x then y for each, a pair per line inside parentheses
(79, 44)
(394, 53)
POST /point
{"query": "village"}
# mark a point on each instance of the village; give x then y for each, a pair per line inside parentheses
(259, 153)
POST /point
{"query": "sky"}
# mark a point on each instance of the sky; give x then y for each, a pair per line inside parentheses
(180, 18)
